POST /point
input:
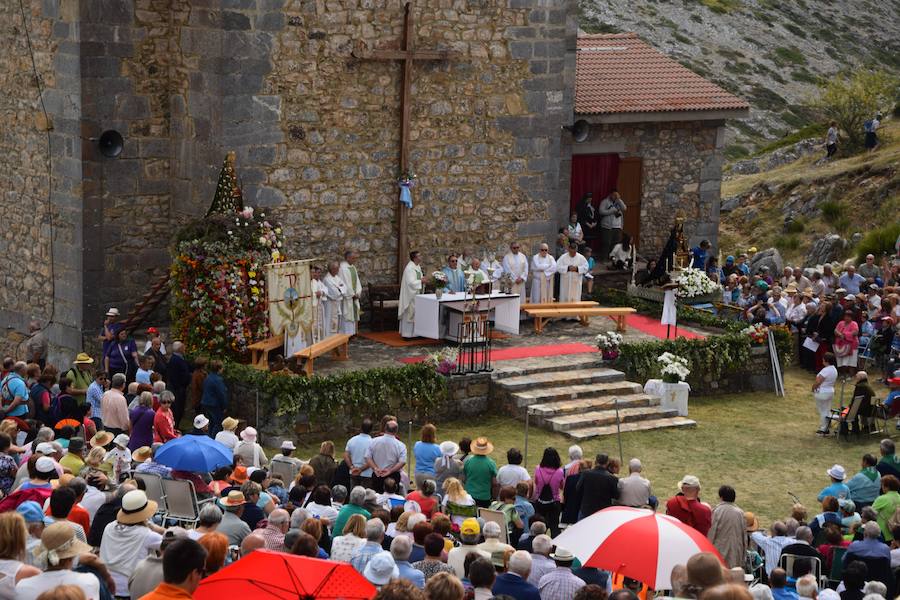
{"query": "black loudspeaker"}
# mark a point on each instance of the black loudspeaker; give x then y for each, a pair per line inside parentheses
(580, 130)
(111, 143)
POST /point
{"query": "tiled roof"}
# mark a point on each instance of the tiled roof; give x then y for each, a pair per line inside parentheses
(620, 73)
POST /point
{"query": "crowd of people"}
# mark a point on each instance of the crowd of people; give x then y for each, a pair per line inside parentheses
(76, 520)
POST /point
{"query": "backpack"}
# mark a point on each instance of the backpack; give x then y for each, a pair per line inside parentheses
(867, 126)
(546, 494)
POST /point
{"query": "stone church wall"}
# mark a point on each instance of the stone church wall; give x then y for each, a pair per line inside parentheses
(315, 130)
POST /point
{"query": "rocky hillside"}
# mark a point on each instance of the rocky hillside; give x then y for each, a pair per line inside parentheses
(811, 210)
(774, 53)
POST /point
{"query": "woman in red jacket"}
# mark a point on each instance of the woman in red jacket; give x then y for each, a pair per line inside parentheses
(164, 420)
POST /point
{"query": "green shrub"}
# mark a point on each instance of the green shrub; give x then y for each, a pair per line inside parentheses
(796, 30)
(787, 242)
(795, 226)
(721, 7)
(736, 152)
(878, 241)
(813, 130)
(851, 98)
(832, 210)
(682, 38)
(696, 18)
(788, 56)
(806, 77)
(378, 391)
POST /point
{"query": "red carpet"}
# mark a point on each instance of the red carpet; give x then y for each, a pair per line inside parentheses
(525, 352)
(651, 326)
(393, 339)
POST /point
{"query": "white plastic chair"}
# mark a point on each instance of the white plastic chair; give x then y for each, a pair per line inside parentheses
(153, 485)
(181, 500)
(284, 469)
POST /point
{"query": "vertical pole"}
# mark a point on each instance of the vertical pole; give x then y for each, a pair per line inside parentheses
(409, 451)
(619, 430)
(527, 415)
(257, 409)
(406, 84)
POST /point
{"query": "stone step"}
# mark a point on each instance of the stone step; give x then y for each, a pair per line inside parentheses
(599, 418)
(582, 404)
(559, 378)
(650, 424)
(529, 366)
(572, 392)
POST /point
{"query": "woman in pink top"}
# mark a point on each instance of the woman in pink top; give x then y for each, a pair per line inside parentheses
(548, 486)
(846, 343)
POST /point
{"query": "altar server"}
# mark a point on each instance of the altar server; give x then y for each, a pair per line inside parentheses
(571, 268)
(350, 277)
(515, 263)
(543, 268)
(480, 280)
(410, 286)
(337, 299)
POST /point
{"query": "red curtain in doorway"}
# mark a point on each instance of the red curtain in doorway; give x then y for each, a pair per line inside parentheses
(595, 173)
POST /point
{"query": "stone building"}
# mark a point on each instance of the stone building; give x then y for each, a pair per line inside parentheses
(316, 130)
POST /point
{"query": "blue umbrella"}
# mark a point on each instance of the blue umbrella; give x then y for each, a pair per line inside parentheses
(194, 453)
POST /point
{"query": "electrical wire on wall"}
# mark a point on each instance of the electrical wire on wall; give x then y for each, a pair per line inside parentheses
(49, 207)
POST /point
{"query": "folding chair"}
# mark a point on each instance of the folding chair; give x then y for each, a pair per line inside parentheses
(283, 469)
(153, 485)
(182, 501)
(879, 413)
(845, 415)
(497, 517)
(787, 561)
(836, 575)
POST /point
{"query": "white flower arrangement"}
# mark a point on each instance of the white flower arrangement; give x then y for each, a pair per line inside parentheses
(440, 278)
(675, 368)
(694, 282)
(474, 277)
(609, 340)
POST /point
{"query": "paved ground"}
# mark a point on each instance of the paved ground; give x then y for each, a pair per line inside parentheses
(366, 354)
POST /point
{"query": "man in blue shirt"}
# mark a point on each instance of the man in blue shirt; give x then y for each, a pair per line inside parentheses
(699, 254)
(94, 395)
(401, 547)
(850, 280)
(456, 279)
(355, 456)
(515, 581)
(14, 392)
(837, 488)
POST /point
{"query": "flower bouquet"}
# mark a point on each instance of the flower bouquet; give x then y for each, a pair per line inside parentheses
(758, 333)
(608, 343)
(694, 282)
(474, 278)
(674, 368)
(440, 283)
(443, 361)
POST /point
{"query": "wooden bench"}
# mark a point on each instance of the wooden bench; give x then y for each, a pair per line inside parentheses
(584, 314)
(337, 344)
(383, 301)
(581, 304)
(259, 351)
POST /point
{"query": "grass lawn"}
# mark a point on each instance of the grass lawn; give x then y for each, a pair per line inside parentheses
(762, 445)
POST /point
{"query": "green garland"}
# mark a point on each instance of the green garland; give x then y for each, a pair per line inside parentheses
(416, 388)
(686, 314)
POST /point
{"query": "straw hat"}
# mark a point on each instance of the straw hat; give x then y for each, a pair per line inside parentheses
(234, 498)
(229, 424)
(142, 454)
(101, 438)
(482, 447)
(562, 555)
(136, 508)
(58, 542)
(288, 445)
(83, 359)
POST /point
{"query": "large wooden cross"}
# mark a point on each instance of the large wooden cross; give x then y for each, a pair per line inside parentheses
(407, 55)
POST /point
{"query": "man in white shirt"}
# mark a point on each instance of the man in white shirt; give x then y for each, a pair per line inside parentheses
(634, 490)
(130, 538)
(571, 268)
(350, 277)
(515, 263)
(386, 455)
(410, 286)
(612, 210)
(512, 473)
(287, 448)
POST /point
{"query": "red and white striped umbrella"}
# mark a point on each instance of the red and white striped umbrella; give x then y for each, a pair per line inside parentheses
(635, 542)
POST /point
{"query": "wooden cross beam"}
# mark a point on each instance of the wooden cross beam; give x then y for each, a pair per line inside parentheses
(407, 55)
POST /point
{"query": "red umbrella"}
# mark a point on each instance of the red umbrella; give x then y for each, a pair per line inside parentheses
(266, 574)
(635, 542)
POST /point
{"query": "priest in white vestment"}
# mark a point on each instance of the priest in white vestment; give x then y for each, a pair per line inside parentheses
(494, 270)
(318, 301)
(515, 263)
(410, 287)
(571, 267)
(350, 276)
(543, 268)
(338, 299)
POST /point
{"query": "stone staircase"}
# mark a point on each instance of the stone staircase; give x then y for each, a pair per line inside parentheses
(574, 395)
